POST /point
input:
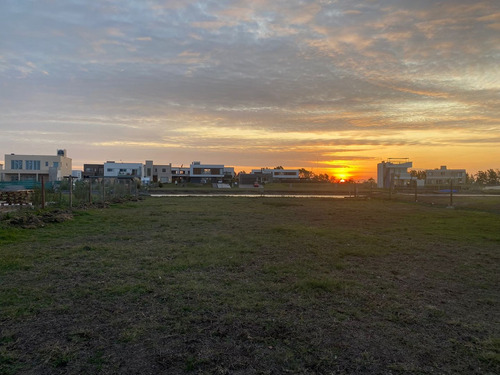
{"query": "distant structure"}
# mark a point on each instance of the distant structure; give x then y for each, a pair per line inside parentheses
(113, 169)
(210, 173)
(393, 172)
(93, 170)
(443, 176)
(37, 167)
(267, 175)
(1, 172)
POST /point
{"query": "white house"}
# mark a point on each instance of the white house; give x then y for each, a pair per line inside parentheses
(112, 169)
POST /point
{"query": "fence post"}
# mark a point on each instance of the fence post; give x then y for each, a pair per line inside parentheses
(43, 193)
(451, 192)
(70, 178)
(90, 190)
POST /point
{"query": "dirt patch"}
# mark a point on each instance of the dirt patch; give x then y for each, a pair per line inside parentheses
(33, 220)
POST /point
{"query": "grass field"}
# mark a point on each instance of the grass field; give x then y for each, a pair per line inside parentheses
(254, 285)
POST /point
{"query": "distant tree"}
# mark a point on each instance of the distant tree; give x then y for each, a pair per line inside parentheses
(322, 177)
(305, 174)
(279, 167)
(469, 178)
(481, 178)
(493, 177)
(421, 175)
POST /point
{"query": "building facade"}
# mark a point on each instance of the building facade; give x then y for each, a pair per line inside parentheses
(209, 173)
(37, 167)
(162, 173)
(394, 172)
(93, 170)
(443, 176)
(112, 169)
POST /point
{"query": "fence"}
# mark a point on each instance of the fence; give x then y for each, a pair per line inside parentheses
(70, 191)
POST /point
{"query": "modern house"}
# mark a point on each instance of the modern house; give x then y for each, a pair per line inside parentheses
(180, 174)
(37, 167)
(112, 169)
(162, 173)
(443, 176)
(394, 172)
(266, 175)
(93, 170)
(209, 173)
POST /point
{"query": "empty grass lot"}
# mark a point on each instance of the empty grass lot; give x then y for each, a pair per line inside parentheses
(218, 285)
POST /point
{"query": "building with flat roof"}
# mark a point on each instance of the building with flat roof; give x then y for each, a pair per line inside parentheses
(443, 176)
(112, 169)
(393, 172)
(93, 170)
(37, 167)
(209, 173)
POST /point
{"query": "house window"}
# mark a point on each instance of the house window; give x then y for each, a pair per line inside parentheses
(110, 169)
(46, 163)
(164, 170)
(16, 164)
(56, 164)
(32, 165)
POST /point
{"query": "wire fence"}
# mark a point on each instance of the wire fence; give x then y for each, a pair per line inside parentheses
(70, 192)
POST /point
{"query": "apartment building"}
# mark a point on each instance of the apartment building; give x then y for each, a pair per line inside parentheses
(37, 167)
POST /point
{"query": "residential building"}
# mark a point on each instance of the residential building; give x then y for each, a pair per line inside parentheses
(1, 172)
(180, 174)
(93, 170)
(162, 173)
(394, 172)
(209, 173)
(112, 169)
(266, 175)
(35, 167)
(443, 175)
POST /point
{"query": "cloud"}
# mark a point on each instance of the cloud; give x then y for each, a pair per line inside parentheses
(281, 77)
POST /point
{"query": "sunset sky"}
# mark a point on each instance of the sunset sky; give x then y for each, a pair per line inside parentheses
(331, 86)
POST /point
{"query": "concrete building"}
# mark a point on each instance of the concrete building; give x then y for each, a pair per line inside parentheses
(162, 173)
(394, 172)
(209, 173)
(93, 170)
(112, 169)
(443, 175)
(35, 167)
(267, 175)
(180, 174)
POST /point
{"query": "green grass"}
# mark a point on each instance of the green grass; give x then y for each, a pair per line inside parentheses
(267, 285)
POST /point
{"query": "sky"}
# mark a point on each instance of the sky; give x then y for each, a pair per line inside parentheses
(333, 86)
